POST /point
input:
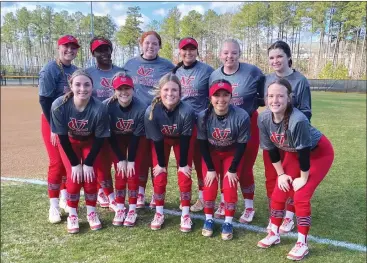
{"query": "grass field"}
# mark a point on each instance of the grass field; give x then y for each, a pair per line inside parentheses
(339, 212)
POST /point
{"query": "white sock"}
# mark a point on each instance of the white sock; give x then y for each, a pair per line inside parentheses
(63, 194)
(121, 206)
(72, 211)
(132, 207)
(159, 209)
(275, 229)
(201, 195)
(249, 203)
(301, 238)
(141, 190)
(90, 209)
(100, 190)
(54, 202)
(222, 198)
(208, 216)
(289, 214)
(185, 210)
(111, 197)
(228, 219)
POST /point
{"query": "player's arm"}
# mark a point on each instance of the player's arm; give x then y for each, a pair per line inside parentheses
(304, 98)
(260, 82)
(115, 148)
(189, 120)
(204, 143)
(302, 142)
(47, 83)
(135, 138)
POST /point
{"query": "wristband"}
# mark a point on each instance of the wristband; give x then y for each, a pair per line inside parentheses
(281, 174)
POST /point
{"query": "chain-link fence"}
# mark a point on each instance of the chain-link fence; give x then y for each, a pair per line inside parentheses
(340, 85)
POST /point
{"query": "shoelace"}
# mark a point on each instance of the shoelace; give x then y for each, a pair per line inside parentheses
(120, 213)
(248, 212)
(130, 215)
(157, 218)
(187, 220)
(298, 246)
(286, 222)
(103, 197)
(92, 217)
(73, 220)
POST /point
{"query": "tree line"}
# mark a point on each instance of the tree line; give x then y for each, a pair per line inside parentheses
(335, 48)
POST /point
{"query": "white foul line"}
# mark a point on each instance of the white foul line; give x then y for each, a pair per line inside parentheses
(342, 244)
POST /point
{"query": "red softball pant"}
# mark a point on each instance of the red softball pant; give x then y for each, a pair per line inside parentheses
(145, 145)
(81, 149)
(102, 164)
(132, 182)
(321, 160)
(247, 182)
(222, 161)
(184, 182)
(56, 175)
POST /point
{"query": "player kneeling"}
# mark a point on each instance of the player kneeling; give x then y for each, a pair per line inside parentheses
(82, 125)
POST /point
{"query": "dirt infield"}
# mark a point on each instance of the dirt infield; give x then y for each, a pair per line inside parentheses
(22, 151)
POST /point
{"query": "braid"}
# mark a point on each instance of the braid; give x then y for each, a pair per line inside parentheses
(207, 114)
(180, 64)
(156, 100)
(287, 115)
(112, 99)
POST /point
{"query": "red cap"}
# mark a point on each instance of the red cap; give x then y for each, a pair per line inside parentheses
(220, 86)
(99, 42)
(187, 41)
(122, 80)
(67, 39)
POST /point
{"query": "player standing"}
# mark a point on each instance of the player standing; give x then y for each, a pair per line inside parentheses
(81, 121)
(53, 83)
(169, 122)
(308, 158)
(281, 62)
(248, 86)
(194, 78)
(146, 70)
(127, 128)
(223, 133)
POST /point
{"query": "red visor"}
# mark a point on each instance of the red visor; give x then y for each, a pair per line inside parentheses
(122, 80)
(187, 41)
(97, 43)
(67, 39)
(220, 86)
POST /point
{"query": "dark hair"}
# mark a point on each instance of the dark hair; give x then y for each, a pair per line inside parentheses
(117, 74)
(179, 64)
(99, 38)
(288, 111)
(145, 34)
(283, 46)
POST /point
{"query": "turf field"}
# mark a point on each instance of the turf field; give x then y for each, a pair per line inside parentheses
(339, 212)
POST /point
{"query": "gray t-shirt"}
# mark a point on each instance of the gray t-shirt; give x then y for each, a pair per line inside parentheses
(146, 75)
(244, 83)
(52, 83)
(300, 133)
(67, 120)
(301, 98)
(195, 85)
(223, 134)
(126, 121)
(102, 81)
(169, 124)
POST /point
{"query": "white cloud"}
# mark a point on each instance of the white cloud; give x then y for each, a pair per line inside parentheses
(223, 7)
(160, 12)
(146, 20)
(120, 20)
(119, 7)
(13, 8)
(185, 9)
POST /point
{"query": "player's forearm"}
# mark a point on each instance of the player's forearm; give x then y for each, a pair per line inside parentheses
(68, 149)
(133, 146)
(46, 104)
(240, 149)
(204, 149)
(278, 168)
(184, 149)
(96, 147)
(304, 161)
(159, 150)
(115, 147)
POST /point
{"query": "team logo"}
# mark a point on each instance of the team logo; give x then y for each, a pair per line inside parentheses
(169, 129)
(145, 72)
(277, 138)
(221, 84)
(221, 134)
(78, 125)
(106, 82)
(71, 38)
(124, 125)
(186, 81)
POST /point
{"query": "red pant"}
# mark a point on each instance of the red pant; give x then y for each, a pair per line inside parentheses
(247, 182)
(146, 162)
(222, 161)
(321, 160)
(102, 166)
(132, 182)
(184, 182)
(81, 149)
(56, 176)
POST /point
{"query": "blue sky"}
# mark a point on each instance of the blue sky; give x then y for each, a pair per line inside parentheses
(149, 10)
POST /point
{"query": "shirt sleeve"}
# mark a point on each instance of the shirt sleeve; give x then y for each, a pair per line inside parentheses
(139, 130)
(304, 98)
(47, 82)
(188, 123)
(151, 128)
(58, 122)
(301, 135)
(202, 135)
(103, 124)
(244, 130)
(265, 142)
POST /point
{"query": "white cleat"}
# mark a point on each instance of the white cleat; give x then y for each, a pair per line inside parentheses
(157, 221)
(247, 216)
(141, 201)
(186, 223)
(93, 221)
(298, 252)
(269, 240)
(64, 205)
(54, 215)
(287, 226)
(102, 200)
(73, 224)
(119, 218)
(130, 219)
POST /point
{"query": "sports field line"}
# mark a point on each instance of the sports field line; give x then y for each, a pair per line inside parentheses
(319, 240)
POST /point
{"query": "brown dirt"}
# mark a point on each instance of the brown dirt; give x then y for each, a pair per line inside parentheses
(22, 151)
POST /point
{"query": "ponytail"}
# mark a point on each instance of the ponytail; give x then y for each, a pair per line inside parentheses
(156, 100)
(287, 115)
(180, 64)
(208, 112)
(112, 99)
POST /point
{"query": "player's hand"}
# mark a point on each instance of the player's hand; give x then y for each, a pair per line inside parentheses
(232, 178)
(186, 170)
(121, 168)
(130, 169)
(53, 139)
(298, 183)
(284, 182)
(77, 173)
(158, 170)
(88, 173)
(210, 177)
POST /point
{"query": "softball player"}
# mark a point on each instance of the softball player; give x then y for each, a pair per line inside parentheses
(223, 133)
(53, 82)
(194, 78)
(127, 128)
(248, 87)
(281, 62)
(81, 121)
(169, 122)
(146, 70)
(101, 49)
(307, 159)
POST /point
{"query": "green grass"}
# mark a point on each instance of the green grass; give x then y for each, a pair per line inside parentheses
(339, 212)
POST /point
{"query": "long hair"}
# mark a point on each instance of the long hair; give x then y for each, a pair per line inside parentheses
(157, 90)
(283, 46)
(117, 74)
(288, 111)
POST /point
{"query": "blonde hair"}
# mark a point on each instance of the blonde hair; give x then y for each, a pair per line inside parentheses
(157, 90)
(233, 41)
(117, 74)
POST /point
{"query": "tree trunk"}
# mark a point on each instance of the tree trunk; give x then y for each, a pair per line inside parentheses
(336, 48)
(353, 60)
(363, 52)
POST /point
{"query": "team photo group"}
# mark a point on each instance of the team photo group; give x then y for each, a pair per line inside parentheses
(131, 116)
